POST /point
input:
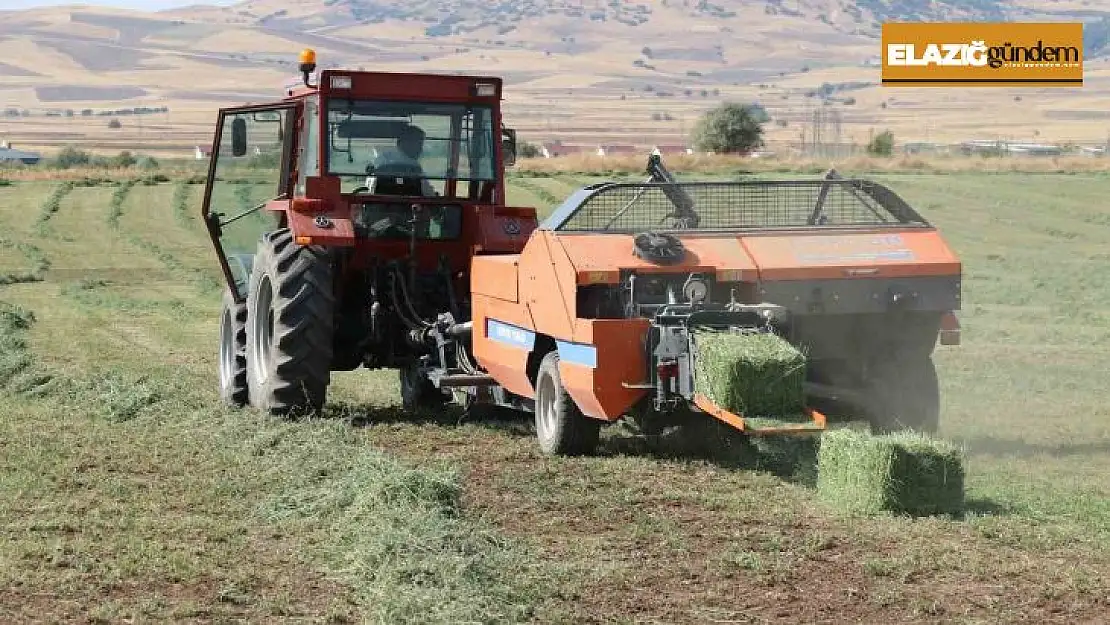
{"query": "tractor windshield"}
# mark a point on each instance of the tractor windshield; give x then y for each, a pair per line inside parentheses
(423, 143)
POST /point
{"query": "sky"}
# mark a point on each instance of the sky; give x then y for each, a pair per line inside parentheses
(148, 5)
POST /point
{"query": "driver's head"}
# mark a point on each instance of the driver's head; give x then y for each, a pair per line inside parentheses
(411, 141)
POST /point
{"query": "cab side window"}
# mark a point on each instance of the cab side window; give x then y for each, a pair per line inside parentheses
(310, 144)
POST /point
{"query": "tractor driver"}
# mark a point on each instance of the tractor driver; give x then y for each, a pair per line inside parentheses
(403, 161)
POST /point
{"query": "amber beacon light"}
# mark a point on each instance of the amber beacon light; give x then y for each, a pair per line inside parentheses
(308, 64)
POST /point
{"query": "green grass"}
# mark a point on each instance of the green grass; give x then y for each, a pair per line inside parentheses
(128, 493)
(195, 502)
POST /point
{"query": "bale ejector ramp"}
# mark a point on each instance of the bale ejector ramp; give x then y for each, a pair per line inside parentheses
(815, 423)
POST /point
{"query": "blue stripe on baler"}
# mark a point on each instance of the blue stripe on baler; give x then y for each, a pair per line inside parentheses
(577, 353)
(510, 334)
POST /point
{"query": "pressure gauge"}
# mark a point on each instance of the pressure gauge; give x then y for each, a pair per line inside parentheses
(695, 290)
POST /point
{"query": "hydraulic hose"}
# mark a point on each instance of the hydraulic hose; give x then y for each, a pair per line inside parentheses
(400, 310)
(408, 300)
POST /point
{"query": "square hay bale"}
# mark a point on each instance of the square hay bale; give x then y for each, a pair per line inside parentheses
(903, 472)
(756, 374)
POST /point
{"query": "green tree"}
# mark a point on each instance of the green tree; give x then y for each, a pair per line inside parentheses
(761, 115)
(528, 150)
(881, 144)
(71, 157)
(123, 160)
(729, 128)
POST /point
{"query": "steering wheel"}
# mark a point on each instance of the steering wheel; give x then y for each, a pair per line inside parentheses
(394, 169)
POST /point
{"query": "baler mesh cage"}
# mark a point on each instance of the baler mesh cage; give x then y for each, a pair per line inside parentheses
(741, 205)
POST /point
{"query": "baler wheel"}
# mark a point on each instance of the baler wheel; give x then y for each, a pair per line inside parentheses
(561, 427)
(905, 395)
(233, 353)
(290, 326)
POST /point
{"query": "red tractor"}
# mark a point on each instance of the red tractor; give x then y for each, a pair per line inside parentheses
(345, 218)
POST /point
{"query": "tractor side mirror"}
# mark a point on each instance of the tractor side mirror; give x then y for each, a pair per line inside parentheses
(508, 146)
(238, 137)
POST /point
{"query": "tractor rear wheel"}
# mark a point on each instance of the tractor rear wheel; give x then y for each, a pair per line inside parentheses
(904, 395)
(290, 326)
(561, 427)
(233, 352)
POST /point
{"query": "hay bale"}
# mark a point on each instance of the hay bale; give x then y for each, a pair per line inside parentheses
(751, 374)
(791, 457)
(903, 472)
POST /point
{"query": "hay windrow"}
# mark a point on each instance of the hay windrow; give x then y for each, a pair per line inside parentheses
(50, 206)
(903, 473)
(751, 374)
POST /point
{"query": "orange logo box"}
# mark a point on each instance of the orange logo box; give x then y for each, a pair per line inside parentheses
(982, 54)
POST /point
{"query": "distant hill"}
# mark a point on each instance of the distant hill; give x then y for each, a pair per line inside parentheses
(465, 17)
(587, 71)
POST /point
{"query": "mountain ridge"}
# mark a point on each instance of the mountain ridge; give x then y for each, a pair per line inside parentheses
(585, 71)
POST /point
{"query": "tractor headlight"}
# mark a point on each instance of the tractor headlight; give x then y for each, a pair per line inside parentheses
(485, 89)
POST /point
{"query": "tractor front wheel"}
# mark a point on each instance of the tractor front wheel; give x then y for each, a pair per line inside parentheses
(290, 326)
(233, 352)
(561, 427)
(904, 395)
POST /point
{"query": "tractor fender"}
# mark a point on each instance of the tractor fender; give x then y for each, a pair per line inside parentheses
(241, 266)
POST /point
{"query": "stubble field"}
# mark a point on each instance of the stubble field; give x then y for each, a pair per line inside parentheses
(128, 492)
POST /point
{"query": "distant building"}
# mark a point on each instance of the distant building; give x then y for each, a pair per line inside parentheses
(923, 147)
(203, 152)
(998, 148)
(1035, 149)
(663, 150)
(613, 150)
(10, 155)
(552, 149)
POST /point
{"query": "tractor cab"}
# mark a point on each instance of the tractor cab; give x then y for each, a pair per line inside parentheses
(411, 149)
(358, 158)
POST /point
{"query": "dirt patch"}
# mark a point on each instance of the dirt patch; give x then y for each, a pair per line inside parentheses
(218, 96)
(81, 93)
(97, 57)
(130, 30)
(11, 70)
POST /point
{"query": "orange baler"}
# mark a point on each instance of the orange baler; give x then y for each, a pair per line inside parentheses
(593, 319)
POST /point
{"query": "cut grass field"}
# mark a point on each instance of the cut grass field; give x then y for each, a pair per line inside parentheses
(127, 492)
